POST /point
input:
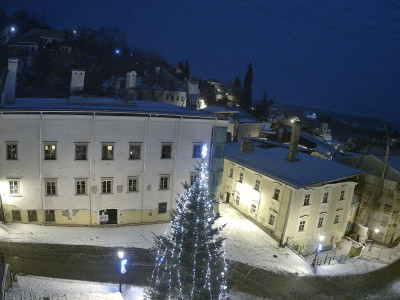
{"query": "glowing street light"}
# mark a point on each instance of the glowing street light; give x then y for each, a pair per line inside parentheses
(117, 51)
(123, 267)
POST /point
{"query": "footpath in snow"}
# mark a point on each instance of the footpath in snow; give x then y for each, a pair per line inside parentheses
(245, 243)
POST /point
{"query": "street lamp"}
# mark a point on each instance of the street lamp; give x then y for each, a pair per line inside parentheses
(319, 249)
(12, 30)
(123, 267)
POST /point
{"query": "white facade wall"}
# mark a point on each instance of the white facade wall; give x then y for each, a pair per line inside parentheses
(31, 131)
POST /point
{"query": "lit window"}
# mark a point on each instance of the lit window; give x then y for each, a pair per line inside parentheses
(133, 184)
(134, 151)
(193, 178)
(51, 187)
(14, 187)
(341, 195)
(237, 200)
(166, 151)
(162, 207)
(12, 151)
(271, 220)
(307, 200)
(336, 219)
(276, 194)
(320, 222)
(107, 151)
(325, 199)
(80, 151)
(241, 177)
(231, 172)
(257, 185)
(301, 225)
(50, 151)
(106, 185)
(80, 187)
(164, 182)
(197, 151)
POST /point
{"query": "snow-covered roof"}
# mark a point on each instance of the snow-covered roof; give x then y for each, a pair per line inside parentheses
(307, 171)
(103, 105)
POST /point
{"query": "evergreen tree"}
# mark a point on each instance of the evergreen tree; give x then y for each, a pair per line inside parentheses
(190, 261)
(236, 90)
(186, 69)
(245, 100)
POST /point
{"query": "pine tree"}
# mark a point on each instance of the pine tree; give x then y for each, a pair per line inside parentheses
(190, 261)
(245, 100)
(236, 90)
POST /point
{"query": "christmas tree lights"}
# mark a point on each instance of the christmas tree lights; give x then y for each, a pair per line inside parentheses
(190, 262)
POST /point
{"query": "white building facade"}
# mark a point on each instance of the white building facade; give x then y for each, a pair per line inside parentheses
(97, 167)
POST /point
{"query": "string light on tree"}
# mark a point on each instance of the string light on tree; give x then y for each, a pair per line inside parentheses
(190, 261)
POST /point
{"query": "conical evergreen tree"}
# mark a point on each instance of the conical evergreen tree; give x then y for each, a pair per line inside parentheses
(190, 261)
(245, 99)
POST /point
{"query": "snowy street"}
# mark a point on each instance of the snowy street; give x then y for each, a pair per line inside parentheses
(258, 258)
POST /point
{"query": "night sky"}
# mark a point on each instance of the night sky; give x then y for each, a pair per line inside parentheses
(342, 55)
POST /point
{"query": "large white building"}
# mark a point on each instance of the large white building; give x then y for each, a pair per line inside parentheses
(91, 161)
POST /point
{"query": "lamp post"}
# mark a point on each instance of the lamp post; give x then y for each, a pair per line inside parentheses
(122, 267)
(319, 249)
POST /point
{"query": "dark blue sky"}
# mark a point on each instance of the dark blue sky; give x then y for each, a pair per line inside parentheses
(342, 55)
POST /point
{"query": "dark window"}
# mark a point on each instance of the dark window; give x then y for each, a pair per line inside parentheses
(193, 178)
(80, 187)
(301, 225)
(271, 220)
(32, 215)
(106, 186)
(307, 200)
(132, 184)
(325, 199)
(12, 151)
(276, 194)
(49, 216)
(257, 185)
(166, 151)
(80, 152)
(231, 172)
(51, 187)
(241, 177)
(134, 151)
(107, 152)
(341, 195)
(336, 219)
(321, 222)
(197, 151)
(164, 182)
(16, 215)
(162, 207)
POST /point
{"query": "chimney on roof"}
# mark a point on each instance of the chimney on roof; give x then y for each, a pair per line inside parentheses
(130, 85)
(294, 141)
(247, 146)
(77, 82)
(192, 98)
(8, 95)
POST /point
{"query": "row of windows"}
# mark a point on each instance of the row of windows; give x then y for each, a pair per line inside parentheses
(107, 151)
(49, 215)
(325, 198)
(320, 224)
(106, 185)
(171, 97)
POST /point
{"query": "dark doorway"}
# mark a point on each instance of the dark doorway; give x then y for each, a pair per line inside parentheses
(108, 216)
(228, 195)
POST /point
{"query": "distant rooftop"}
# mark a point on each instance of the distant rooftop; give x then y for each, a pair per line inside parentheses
(307, 171)
(101, 105)
(239, 113)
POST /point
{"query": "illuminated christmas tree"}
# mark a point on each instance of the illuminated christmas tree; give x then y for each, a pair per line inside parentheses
(190, 261)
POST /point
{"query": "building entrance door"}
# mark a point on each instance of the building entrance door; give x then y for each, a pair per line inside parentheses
(228, 195)
(108, 216)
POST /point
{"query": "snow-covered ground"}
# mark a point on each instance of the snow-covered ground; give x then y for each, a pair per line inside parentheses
(37, 288)
(245, 242)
